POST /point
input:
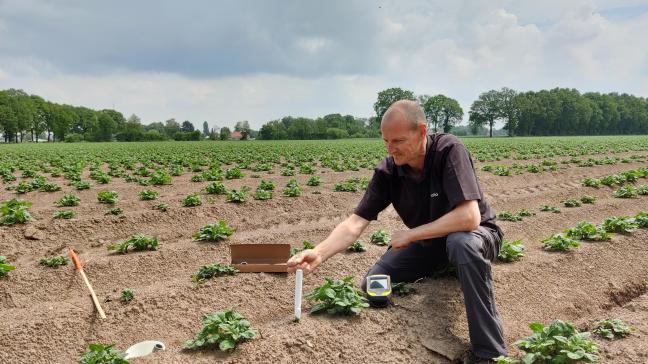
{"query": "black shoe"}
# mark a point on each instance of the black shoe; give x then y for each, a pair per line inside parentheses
(470, 358)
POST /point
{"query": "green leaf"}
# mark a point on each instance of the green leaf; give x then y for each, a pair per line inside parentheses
(536, 327)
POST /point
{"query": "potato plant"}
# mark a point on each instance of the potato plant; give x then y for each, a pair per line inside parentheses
(314, 181)
(349, 185)
(357, 247)
(338, 297)
(127, 295)
(263, 195)
(380, 237)
(212, 270)
(508, 216)
(641, 219)
(628, 191)
(4, 267)
(560, 342)
(54, 261)
(642, 190)
(505, 360)
(266, 185)
(511, 250)
(50, 187)
(197, 178)
(24, 187)
(238, 196)
(587, 199)
(587, 231)
(305, 245)
(559, 242)
(216, 188)
(103, 354)
(15, 212)
(224, 329)
(214, 232)
(114, 211)
(192, 200)
(402, 289)
(234, 173)
(611, 328)
(107, 197)
(64, 214)
(68, 201)
(147, 195)
(161, 207)
(292, 189)
(612, 180)
(288, 171)
(159, 178)
(137, 242)
(591, 182)
(549, 208)
(620, 224)
(571, 202)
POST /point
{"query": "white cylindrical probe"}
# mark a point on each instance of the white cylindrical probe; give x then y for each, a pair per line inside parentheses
(299, 274)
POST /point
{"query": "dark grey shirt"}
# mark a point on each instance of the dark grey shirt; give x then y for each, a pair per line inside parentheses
(448, 179)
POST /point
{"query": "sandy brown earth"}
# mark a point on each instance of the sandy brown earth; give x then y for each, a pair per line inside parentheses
(47, 315)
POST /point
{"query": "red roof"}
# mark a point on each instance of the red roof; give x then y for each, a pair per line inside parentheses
(236, 135)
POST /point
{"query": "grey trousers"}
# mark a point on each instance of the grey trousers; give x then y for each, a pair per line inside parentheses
(471, 253)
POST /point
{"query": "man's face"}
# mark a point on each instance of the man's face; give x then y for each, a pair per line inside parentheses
(403, 143)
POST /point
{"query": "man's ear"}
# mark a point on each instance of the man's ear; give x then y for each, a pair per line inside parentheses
(422, 130)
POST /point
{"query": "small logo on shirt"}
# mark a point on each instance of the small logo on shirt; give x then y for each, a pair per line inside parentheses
(434, 194)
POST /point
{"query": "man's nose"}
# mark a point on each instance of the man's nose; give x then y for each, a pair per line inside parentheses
(390, 149)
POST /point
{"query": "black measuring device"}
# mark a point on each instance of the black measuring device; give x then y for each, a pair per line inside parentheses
(378, 290)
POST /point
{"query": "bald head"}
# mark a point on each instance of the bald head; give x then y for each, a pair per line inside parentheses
(405, 111)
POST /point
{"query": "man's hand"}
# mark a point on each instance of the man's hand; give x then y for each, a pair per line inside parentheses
(400, 239)
(306, 260)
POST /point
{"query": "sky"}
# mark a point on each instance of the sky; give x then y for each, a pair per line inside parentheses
(226, 61)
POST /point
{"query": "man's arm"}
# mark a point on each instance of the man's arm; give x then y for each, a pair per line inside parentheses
(464, 217)
(340, 238)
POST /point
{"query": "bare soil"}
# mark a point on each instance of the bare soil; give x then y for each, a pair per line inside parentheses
(47, 315)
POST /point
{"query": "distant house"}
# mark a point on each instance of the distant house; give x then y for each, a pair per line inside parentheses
(236, 135)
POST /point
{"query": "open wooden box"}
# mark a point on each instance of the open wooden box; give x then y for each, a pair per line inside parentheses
(260, 257)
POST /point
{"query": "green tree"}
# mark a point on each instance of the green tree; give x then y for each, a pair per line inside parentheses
(117, 117)
(484, 111)
(187, 126)
(508, 110)
(132, 130)
(105, 127)
(225, 133)
(39, 123)
(171, 127)
(273, 130)
(441, 110)
(205, 129)
(388, 97)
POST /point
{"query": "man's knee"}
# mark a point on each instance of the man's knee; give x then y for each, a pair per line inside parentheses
(463, 247)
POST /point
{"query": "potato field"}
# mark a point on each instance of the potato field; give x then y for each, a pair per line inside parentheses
(152, 224)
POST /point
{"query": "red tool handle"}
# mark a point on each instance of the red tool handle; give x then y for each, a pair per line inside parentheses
(75, 260)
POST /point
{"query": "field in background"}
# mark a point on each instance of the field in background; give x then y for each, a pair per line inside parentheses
(47, 316)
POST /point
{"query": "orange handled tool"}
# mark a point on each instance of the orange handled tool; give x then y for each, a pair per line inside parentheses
(77, 265)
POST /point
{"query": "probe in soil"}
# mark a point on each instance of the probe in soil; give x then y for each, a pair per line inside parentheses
(299, 274)
(77, 265)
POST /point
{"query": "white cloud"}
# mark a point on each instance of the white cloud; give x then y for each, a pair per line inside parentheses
(313, 45)
(258, 62)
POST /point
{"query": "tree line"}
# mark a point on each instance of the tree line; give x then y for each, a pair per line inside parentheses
(29, 117)
(559, 111)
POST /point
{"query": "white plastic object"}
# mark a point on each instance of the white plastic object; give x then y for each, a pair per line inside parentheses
(144, 348)
(299, 275)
